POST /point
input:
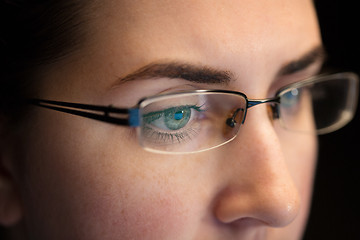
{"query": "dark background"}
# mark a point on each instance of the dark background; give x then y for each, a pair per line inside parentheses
(336, 204)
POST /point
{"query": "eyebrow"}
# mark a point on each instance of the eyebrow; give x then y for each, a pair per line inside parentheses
(209, 75)
(316, 55)
(189, 72)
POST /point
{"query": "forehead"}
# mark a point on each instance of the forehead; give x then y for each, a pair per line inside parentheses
(183, 18)
(249, 38)
(161, 29)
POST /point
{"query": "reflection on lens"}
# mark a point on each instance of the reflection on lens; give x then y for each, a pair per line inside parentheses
(320, 105)
(190, 122)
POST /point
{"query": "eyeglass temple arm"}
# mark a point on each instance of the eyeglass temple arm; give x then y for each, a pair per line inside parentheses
(128, 117)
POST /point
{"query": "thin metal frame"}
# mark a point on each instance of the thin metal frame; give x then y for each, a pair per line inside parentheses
(131, 116)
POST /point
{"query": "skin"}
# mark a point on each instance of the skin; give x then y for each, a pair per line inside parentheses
(74, 178)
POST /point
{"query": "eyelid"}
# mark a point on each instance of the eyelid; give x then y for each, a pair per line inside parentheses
(189, 87)
(315, 57)
(178, 88)
(286, 80)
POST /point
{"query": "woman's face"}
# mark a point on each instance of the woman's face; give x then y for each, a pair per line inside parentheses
(85, 179)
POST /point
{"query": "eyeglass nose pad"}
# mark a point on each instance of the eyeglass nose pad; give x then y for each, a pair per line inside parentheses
(231, 121)
(273, 111)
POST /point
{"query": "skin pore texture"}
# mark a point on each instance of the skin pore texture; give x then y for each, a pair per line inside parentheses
(77, 178)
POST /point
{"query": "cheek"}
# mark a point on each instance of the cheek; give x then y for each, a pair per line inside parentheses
(87, 188)
(133, 201)
(136, 213)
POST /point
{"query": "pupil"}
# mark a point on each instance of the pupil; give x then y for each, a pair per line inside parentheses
(179, 115)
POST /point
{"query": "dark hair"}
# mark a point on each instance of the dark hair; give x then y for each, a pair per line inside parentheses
(34, 33)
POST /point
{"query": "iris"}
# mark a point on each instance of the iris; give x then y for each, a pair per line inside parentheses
(175, 118)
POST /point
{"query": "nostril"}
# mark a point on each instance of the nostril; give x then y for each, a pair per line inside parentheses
(247, 223)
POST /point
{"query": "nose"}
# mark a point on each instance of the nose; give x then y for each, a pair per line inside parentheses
(257, 185)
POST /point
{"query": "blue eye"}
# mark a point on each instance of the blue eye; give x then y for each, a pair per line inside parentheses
(173, 118)
(176, 118)
(179, 115)
(291, 98)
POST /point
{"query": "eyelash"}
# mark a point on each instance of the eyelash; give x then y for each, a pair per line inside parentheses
(170, 138)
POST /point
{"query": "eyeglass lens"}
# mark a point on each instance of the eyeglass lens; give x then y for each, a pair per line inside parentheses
(320, 106)
(192, 122)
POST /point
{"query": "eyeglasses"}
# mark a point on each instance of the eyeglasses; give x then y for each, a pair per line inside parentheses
(195, 121)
